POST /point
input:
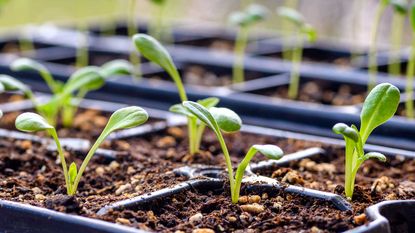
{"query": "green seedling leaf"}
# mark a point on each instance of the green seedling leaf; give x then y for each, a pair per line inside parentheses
(270, 151)
(380, 105)
(26, 64)
(123, 118)
(310, 32)
(159, 2)
(88, 78)
(346, 131)
(375, 155)
(291, 15)
(126, 118)
(32, 122)
(151, 49)
(227, 119)
(73, 171)
(202, 114)
(207, 103)
(116, 67)
(11, 84)
(253, 14)
(400, 6)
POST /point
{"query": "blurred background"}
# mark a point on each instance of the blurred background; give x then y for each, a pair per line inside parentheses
(347, 21)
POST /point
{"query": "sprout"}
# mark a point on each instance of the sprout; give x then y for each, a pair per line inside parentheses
(223, 119)
(373, 53)
(66, 97)
(400, 10)
(132, 29)
(410, 70)
(244, 20)
(121, 119)
(304, 29)
(380, 105)
(151, 49)
(156, 28)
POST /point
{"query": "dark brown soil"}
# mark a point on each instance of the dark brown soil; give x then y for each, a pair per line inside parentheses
(320, 92)
(87, 124)
(31, 175)
(221, 45)
(199, 75)
(10, 98)
(345, 62)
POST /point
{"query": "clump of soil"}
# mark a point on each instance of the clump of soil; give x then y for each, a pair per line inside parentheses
(316, 92)
(10, 98)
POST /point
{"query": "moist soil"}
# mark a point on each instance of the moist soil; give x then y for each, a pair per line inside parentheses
(320, 92)
(30, 174)
(202, 76)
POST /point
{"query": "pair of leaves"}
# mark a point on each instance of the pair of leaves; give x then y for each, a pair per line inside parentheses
(121, 119)
(215, 118)
(297, 19)
(379, 106)
(254, 13)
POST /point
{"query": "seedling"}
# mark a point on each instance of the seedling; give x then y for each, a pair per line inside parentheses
(253, 14)
(66, 97)
(157, 29)
(151, 49)
(373, 54)
(410, 70)
(132, 30)
(226, 120)
(380, 105)
(400, 10)
(304, 30)
(121, 119)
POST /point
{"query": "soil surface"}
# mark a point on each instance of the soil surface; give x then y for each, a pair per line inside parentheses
(345, 62)
(30, 174)
(221, 45)
(202, 76)
(320, 92)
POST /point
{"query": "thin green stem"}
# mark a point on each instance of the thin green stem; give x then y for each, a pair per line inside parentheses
(240, 173)
(199, 135)
(239, 53)
(132, 30)
(357, 6)
(88, 157)
(409, 90)
(373, 55)
(227, 160)
(287, 29)
(394, 67)
(192, 129)
(54, 135)
(47, 76)
(295, 71)
(82, 50)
